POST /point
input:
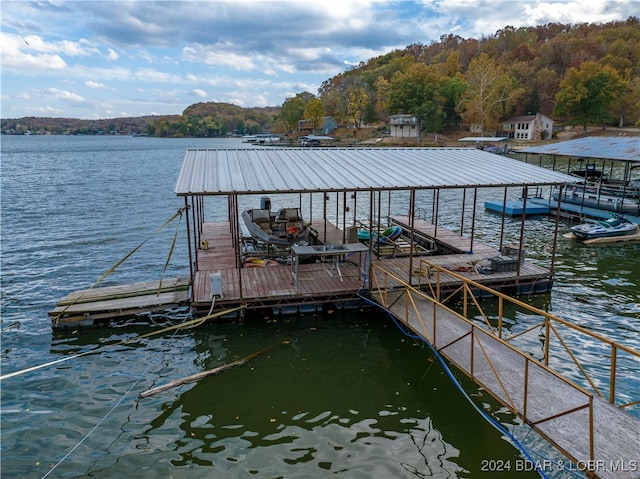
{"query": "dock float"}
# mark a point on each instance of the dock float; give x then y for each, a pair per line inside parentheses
(516, 208)
(571, 210)
(85, 307)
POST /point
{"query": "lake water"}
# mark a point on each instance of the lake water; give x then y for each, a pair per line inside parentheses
(346, 395)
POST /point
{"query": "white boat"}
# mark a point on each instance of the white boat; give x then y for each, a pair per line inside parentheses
(283, 228)
(614, 226)
(599, 200)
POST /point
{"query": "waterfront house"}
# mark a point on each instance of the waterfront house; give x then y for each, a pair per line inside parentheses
(528, 127)
(326, 126)
(403, 125)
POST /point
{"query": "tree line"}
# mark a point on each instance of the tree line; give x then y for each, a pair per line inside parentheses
(586, 74)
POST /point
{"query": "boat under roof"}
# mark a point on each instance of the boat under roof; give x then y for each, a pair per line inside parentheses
(296, 170)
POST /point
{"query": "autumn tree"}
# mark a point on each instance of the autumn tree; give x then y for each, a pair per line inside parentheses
(382, 87)
(490, 95)
(314, 111)
(588, 95)
(357, 101)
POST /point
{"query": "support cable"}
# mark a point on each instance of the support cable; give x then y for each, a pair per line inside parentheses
(178, 214)
(193, 323)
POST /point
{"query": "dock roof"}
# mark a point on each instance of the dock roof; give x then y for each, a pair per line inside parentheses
(621, 148)
(273, 170)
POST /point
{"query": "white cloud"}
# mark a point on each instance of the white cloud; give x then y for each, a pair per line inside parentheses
(63, 95)
(218, 56)
(18, 54)
(112, 55)
(96, 85)
(252, 53)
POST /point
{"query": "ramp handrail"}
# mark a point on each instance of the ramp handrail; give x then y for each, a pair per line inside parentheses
(549, 322)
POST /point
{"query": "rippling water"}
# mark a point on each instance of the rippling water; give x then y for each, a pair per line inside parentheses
(346, 395)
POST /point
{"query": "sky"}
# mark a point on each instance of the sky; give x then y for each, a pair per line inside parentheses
(108, 59)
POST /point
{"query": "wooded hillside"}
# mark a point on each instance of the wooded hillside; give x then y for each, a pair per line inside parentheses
(576, 74)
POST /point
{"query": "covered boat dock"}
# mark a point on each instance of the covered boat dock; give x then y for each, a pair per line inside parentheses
(341, 192)
(608, 169)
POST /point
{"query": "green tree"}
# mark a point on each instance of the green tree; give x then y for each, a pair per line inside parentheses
(452, 90)
(588, 95)
(293, 110)
(314, 111)
(491, 93)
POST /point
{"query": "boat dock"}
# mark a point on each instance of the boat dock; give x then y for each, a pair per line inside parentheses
(334, 278)
(570, 210)
(336, 281)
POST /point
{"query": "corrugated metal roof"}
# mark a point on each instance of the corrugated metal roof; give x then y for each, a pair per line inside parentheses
(483, 138)
(271, 170)
(622, 148)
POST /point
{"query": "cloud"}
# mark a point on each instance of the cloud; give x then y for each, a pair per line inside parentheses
(112, 55)
(56, 94)
(95, 85)
(218, 55)
(18, 54)
(155, 56)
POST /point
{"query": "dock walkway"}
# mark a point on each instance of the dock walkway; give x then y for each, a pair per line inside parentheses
(596, 435)
(275, 285)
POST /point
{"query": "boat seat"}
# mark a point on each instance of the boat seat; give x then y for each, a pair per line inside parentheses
(262, 219)
(289, 215)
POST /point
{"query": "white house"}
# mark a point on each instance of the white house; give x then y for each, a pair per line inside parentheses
(403, 126)
(529, 127)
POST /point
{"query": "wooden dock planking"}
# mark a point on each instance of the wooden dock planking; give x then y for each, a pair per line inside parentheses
(124, 291)
(501, 370)
(445, 237)
(220, 252)
(277, 281)
(125, 303)
(328, 233)
(272, 282)
(95, 304)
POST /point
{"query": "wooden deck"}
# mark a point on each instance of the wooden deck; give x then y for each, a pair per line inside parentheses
(262, 286)
(276, 286)
(88, 306)
(557, 409)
